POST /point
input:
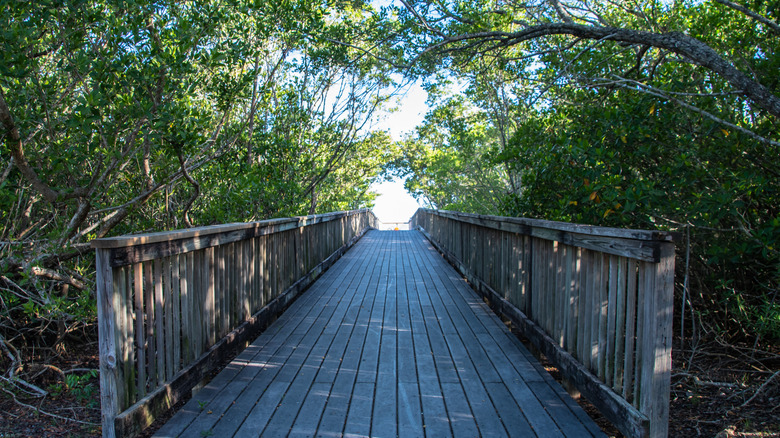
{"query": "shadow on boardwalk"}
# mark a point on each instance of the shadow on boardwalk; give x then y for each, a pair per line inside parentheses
(389, 342)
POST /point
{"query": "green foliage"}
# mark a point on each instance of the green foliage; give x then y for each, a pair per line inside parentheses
(444, 163)
(615, 134)
(144, 115)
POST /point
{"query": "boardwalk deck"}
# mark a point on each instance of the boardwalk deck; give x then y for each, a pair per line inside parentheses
(389, 342)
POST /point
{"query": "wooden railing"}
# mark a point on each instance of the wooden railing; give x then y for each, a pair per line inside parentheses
(172, 305)
(393, 225)
(596, 301)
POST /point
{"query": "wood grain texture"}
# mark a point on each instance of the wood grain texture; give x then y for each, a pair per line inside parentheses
(110, 394)
(601, 298)
(178, 298)
(390, 340)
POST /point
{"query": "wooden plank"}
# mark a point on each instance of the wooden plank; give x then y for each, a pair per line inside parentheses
(196, 329)
(521, 226)
(460, 415)
(231, 273)
(257, 287)
(432, 402)
(313, 407)
(109, 376)
(516, 371)
(247, 230)
(369, 360)
(603, 297)
(262, 414)
(159, 322)
(360, 410)
(168, 312)
(641, 324)
(620, 325)
(149, 313)
(120, 289)
(385, 409)
(583, 333)
(261, 272)
(609, 353)
(571, 302)
(335, 414)
(220, 292)
(594, 295)
(242, 309)
(509, 412)
(631, 310)
(249, 273)
(209, 311)
(176, 309)
(560, 305)
(410, 420)
(185, 267)
(129, 363)
(257, 374)
(657, 348)
(140, 331)
(286, 412)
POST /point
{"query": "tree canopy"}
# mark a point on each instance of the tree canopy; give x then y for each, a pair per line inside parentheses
(630, 114)
(130, 116)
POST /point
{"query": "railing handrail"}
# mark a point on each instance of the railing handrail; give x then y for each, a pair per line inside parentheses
(129, 240)
(526, 225)
(598, 302)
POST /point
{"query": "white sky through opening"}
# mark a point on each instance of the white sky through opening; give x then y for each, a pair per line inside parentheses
(394, 203)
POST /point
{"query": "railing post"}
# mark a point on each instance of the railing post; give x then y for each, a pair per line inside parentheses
(657, 348)
(107, 334)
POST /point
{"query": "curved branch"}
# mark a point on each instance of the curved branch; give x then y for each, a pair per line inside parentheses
(631, 84)
(760, 18)
(676, 42)
(194, 184)
(14, 141)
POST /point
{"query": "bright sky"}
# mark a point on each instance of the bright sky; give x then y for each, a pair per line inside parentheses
(394, 204)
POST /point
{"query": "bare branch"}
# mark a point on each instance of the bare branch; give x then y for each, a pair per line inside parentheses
(14, 141)
(633, 85)
(422, 20)
(561, 12)
(194, 184)
(760, 389)
(676, 42)
(758, 17)
(54, 275)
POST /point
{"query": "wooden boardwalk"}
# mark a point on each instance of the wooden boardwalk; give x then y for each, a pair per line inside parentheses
(390, 341)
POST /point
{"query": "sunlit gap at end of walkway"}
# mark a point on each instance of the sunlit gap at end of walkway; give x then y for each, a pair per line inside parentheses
(394, 206)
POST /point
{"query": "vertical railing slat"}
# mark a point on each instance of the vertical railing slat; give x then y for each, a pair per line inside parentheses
(210, 301)
(140, 333)
(168, 300)
(128, 357)
(151, 351)
(609, 354)
(159, 321)
(176, 308)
